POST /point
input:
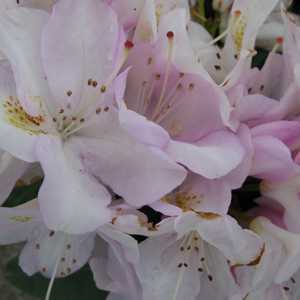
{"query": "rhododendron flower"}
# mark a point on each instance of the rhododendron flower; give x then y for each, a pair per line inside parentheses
(277, 272)
(246, 19)
(58, 254)
(193, 258)
(51, 117)
(167, 155)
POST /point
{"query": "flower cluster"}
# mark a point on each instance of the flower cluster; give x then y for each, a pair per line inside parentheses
(127, 106)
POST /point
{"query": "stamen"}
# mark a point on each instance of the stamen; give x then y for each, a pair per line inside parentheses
(170, 36)
(49, 290)
(231, 25)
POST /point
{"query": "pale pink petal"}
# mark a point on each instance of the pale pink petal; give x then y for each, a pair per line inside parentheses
(240, 246)
(140, 174)
(17, 224)
(272, 159)
(20, 36)
(80, 42)
(70, 199)
(212, 157)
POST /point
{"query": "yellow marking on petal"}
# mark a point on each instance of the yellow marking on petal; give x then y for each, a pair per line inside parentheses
(175, 128)
(21, 219)
(18, 117)
(183, 200)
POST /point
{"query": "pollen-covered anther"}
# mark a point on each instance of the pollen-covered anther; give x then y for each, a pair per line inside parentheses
(128, 44)
(279, 40)
(103, 89)
(170, 34)
(191, 86)
(179, 86)
(237, 13)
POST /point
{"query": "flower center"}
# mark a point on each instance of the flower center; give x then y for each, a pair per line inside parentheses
(192, 249)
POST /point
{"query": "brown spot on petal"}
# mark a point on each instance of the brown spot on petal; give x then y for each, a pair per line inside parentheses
(257, 260)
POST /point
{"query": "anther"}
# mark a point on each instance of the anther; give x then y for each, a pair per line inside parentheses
(210, 278)
(217, 67)
(106, 109)
(170, 34)
(37, 246)
(95, 83)
(68, 246)
(82, 120)
(180, 265)
(103, 89)
(237, 13)
(279, 40)
(129, 45)
(90, 81)
(200, 270)
(98, 111)
(69, 93)
(51, 233)
(191, 86)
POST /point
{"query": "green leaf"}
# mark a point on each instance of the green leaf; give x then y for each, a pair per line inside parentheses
(22, 194)
(79, 286)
